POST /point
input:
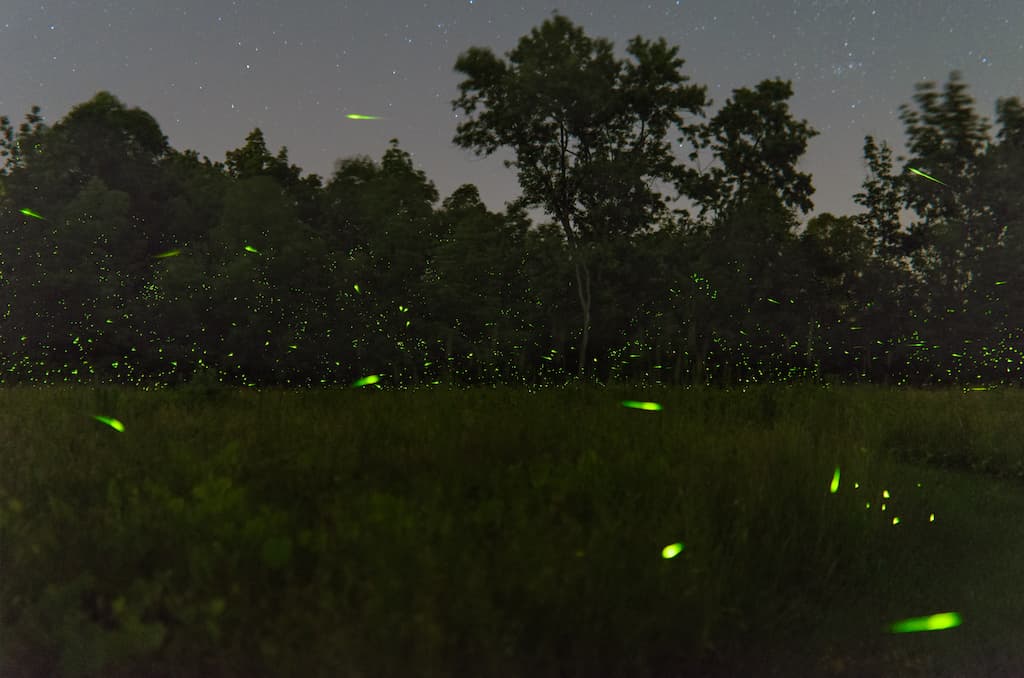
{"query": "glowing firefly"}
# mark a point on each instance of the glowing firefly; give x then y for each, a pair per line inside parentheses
(250, 248)
(934, 622)
(171, 253)
(922, 174)
(372, 379)
(112, 423)
(641, 405)
(356, 116)
(672, 550)
(834, 487)
(29, 213)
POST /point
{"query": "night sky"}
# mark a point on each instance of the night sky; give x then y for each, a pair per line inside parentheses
(210, 71)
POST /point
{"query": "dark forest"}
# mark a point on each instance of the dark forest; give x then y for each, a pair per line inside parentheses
(126, 261)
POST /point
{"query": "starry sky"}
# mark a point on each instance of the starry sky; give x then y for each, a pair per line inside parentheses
(210, 71)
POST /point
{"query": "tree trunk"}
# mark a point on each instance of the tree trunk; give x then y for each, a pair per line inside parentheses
(583, 291)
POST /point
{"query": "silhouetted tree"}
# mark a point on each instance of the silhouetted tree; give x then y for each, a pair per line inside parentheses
(559, 87)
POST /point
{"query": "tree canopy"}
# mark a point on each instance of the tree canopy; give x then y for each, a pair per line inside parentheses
(125, 260)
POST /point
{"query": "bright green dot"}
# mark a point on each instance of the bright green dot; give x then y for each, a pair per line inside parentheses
(934, 622)
(356, 288)
(895, 520)
(641, 405)
(834, 487)
(250, 248)
(171, 253)
(885, 493)
(672, 550)
(1001, 282)
(112, 423)
(856, 486)
(372, 379)
(772, 300)
(29, 213)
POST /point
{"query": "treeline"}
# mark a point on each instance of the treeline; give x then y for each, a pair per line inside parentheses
(126, 261)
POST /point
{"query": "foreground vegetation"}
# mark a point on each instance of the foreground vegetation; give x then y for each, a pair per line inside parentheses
(495, 531)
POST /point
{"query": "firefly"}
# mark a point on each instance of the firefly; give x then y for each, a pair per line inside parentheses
(112, 423)
(29, 213)
(834, 487)
(672, 550)
(170, 253)
(372, 379)
(641, 405)
(934, 622)
(922, 174)
(356, 116)
(250, 248)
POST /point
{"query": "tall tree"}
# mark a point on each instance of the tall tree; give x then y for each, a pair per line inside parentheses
(588, 131)
(947, 139)
(254, 159)
(758, 144)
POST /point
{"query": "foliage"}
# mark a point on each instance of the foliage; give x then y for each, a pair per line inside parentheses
(355, 532)
(123, 260)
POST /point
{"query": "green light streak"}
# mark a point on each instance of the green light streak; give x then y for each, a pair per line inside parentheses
(250, 248)
(112, 423)
(922, 174)
(934, 622)
(29, 213)
(372, 379)
(171, 253)
(834, 487)
(641, 405)
(356, 116)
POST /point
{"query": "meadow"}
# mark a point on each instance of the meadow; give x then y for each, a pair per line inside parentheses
(499, 531)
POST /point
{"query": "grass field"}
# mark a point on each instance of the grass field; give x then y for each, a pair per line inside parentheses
(502, 532)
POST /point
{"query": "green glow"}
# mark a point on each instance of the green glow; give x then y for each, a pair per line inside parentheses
(250, 248)
(171, 253)
(834, 487)
(29, 213)
(356, 288)
(641, 405)
(934, 622)
(356, 116)
(112, 423)
(1001, 282)
(672, 550)
(372, 379)
(922, 174)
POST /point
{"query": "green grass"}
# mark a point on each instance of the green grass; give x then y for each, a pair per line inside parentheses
(499, 532)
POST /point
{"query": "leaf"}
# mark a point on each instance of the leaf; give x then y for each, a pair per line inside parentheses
(277, 551)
